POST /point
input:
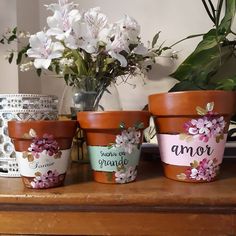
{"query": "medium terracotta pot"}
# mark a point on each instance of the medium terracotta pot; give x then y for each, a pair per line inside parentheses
(42, 150)
(114, 139)
(192, 130)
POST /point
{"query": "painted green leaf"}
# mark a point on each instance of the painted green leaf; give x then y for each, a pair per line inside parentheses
(201, 111)
(181, 176)
(122, 125)
(194, 164)
(210, 106)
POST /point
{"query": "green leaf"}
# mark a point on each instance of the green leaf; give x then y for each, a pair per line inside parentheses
(2, 41)
(10, 57)
(11, 38)
(230, 9)
(184, 86)
(228, 84)
(39, 72)
(14, 30)
(80, 64)
(19, 58)
(57, 68)
(155, 38)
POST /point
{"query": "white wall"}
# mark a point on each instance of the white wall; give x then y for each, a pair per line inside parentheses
(8, 73)
(28, 20)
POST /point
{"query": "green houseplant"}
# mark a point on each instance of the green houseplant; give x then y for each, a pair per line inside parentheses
(193, 118)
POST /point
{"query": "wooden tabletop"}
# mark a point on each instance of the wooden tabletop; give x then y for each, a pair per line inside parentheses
(152, 196)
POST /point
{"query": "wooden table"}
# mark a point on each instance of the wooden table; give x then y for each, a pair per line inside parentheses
(153, 205)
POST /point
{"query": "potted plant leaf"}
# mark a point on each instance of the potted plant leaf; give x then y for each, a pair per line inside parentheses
(193, 118)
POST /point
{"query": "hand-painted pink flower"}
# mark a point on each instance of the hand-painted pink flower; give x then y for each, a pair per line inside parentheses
(203, 125)
(206, 170)
(47, 143)
(47, 180)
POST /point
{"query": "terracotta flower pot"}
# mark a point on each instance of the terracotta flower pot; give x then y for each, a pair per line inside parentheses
(114, 139)
(42, 150)
(192, 130)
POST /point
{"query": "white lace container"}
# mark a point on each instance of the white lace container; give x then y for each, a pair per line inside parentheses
(21, 107)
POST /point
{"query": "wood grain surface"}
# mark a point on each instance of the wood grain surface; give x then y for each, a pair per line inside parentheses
(153, 205)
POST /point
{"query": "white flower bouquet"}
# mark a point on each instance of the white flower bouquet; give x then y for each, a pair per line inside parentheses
(85, 49)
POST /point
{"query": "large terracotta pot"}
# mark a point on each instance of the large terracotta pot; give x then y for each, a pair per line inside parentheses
(42, 150)
(114, 139)
(192, 130)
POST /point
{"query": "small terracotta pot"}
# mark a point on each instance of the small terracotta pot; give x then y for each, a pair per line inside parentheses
(114, 139)
(192, 130)
(42, 150)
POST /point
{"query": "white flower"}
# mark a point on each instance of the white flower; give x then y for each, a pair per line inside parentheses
(96, 21)
(140, 49)
(130, 29)
(60, 23)
(23, 34)
(44, 50)
(26, 67)
(88, 33)
(7, 56)
(66, 62)
(118, 45)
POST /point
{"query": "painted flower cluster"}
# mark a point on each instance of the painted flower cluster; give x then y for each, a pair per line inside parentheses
(128, 140)
(47, 180)
(205, 170)
(208, 126)
(125, 176)
(45, 144)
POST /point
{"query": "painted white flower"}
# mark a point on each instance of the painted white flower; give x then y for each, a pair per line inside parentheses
(127, 176)
(128, 139)
(43, 49)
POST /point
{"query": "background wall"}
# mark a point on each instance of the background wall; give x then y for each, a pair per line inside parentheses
(175, 19)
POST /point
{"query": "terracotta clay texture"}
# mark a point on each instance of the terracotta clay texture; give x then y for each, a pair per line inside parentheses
(42, 150)
(102, 128)
(174, 111)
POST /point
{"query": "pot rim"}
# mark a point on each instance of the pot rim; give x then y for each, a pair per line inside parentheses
(192, 91)
(40, 121)
(112, 112)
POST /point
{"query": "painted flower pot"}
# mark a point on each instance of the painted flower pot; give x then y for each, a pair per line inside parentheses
(42, 150)
(192, 130)
(114, 139)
